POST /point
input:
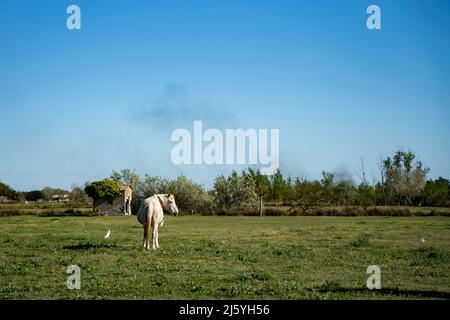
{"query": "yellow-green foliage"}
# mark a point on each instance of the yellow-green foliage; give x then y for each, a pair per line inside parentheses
(103, 189)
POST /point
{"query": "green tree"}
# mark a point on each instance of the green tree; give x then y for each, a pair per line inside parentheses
(405, 177)
(262, 186)
(189, 196)
(344, 193)
(437, 192)
(277, 184)
(131, 178)
(306, 195)
(107, 189)
(152, 185)
(380, 193)
(7, 191)
(34, 195)
(366, 195)
(77, 195)
(233, 192)
(289, 188)
(48, 192)
(327, 183)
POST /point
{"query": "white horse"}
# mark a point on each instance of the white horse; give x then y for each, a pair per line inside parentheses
(151, 213)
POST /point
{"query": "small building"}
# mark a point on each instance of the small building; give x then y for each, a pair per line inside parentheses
(118, 205)
(60, 198)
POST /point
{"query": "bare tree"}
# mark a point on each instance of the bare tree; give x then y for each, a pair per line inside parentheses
(382, 177)
(362, 172)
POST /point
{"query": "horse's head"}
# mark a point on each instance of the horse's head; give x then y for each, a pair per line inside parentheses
(168, 202)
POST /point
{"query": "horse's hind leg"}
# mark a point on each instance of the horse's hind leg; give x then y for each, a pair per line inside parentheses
(155, 237)
(146, 235)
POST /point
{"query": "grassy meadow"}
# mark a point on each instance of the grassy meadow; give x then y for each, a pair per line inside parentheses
(226, 258)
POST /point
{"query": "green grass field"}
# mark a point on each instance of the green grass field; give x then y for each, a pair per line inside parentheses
(226, 257)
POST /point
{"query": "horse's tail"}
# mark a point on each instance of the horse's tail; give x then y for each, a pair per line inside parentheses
(143, 212)
(149, 213)
(148, 222)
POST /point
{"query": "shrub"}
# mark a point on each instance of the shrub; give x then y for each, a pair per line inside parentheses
(103, 189)
(234, 192)
(275, 212)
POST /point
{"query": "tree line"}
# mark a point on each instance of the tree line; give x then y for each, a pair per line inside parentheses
(77, 194)
(403, 181)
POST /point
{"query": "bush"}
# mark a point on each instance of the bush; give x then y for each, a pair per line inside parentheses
(234, 192)
(437, 192)
(190, 197)
(103, 189)
(34, 195)
(275, 212)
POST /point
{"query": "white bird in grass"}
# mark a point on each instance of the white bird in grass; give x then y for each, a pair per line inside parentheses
(423, 240)
(108, 234)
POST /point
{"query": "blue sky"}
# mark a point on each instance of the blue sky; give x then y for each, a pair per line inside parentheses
(76, 104)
